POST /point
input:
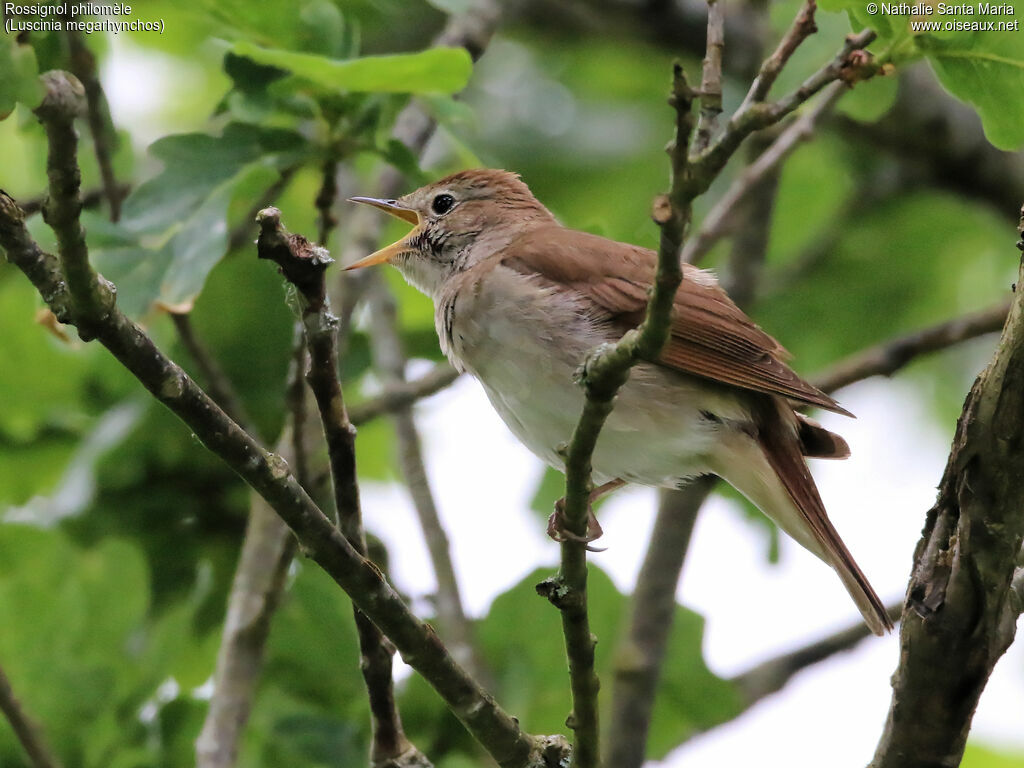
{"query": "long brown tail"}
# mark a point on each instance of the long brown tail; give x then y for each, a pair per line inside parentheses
(784, 456)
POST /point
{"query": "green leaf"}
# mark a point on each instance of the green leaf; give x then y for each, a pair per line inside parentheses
(19, 76)
(523, 643)
(985, 69)
(436, 70)
(175, 227)
(980, 756)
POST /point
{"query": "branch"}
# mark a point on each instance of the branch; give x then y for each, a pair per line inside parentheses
(803, 26)
(256, 592)
(399, 395)
(850, 64)
(304, 264)
(602, 375)
(217, 382)
(390, 360)
(711, 79)
(268, 475)
(889, 357)
(772, 675)
(91, 198)
(29, 734)
(641, 653)
(721, 220)
(962, 612)
(104, 137)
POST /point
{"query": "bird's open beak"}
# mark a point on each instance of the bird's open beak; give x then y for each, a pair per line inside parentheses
(385, 255)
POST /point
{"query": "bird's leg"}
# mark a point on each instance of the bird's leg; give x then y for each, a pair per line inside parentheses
(556, 523)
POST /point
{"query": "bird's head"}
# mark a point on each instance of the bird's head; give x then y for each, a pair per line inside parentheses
(459, 221)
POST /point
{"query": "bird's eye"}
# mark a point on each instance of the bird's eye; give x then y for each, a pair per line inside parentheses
(442, 203)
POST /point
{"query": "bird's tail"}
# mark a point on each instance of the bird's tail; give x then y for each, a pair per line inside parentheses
(771, 472)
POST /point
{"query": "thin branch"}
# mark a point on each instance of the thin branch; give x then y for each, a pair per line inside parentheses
(603, 373)
(711, 79)
(803, 26)
(101, 127)
(217, 382)
(390, 360)
(721, 220)
(304, 265)
(772, 675)
(29, 734)
(256, 592)
(961, 613)
(639, 657)
(91, 198)
(887, 358)
(850, 64)
(266, 473)
(399, 395)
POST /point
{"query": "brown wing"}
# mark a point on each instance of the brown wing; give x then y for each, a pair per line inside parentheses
(711, 336)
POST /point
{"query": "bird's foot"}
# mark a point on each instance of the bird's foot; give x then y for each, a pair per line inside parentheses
(558, 531)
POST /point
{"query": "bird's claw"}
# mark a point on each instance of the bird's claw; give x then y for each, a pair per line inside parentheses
(558, 531)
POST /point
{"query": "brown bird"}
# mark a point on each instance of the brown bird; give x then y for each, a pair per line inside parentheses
(519, 301)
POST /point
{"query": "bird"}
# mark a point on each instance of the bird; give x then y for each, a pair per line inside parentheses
(520, 300)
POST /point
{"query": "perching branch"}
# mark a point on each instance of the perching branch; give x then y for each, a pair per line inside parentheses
(390, 361)
(887, 358)
(28, 733)
(304, 264)
(961, 613)
(266, 473)
(603, 373)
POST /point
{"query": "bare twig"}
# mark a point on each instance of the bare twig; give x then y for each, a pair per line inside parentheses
(772, 675)
(720, 220)
(267, 550)
(850, 64)
(217, 382)
(104, 137)
(711, 79)
(390, 361)
(91, 198)
(803, 26)
(399, 395)
(266, 473)
(888, 357)
(641, 653)
(29, 734)
(303, 265)
(961, 613)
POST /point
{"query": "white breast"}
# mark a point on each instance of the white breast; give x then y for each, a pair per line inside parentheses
(524, 342)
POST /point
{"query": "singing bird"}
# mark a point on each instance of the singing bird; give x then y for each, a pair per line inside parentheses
(520, 299)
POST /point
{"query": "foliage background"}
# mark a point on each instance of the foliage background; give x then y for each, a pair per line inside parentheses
(120, 533)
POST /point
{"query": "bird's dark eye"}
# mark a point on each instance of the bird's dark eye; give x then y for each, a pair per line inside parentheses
(442, 203)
